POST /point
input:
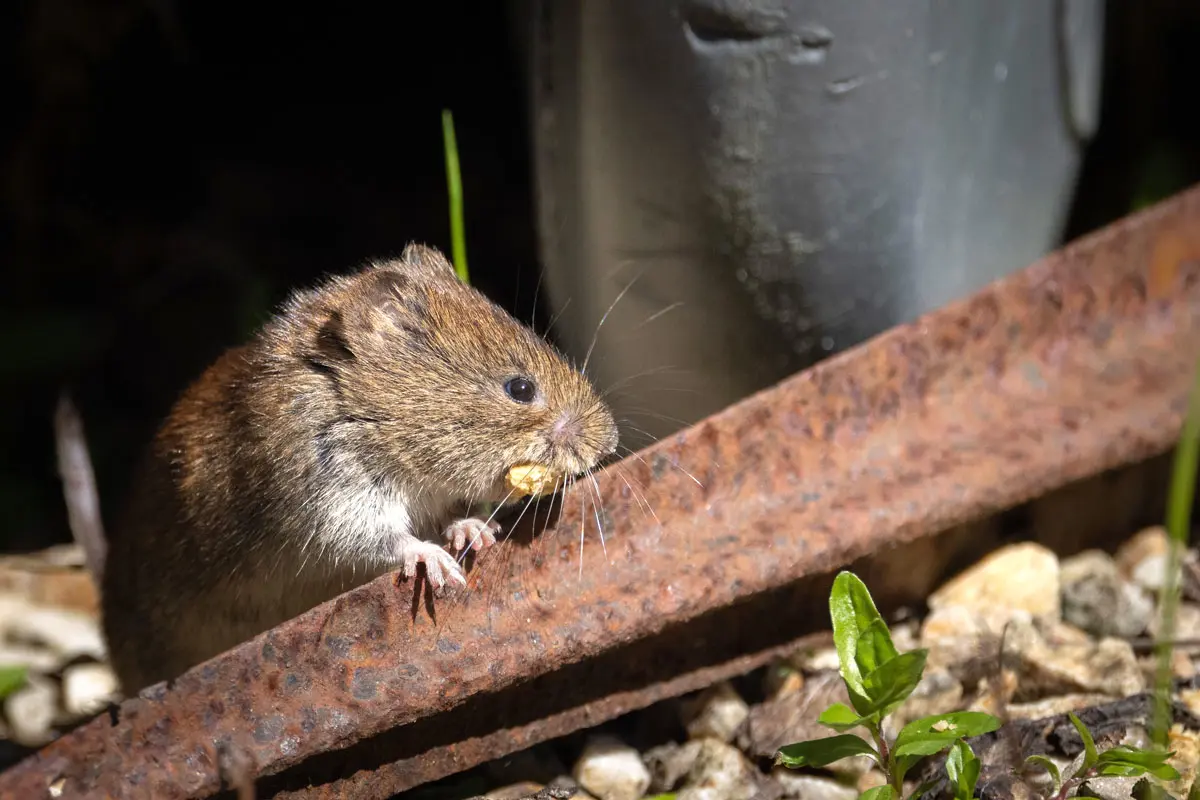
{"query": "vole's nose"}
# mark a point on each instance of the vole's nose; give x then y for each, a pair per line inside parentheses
(565, 430)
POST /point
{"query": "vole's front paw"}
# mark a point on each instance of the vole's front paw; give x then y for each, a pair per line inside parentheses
(472, 532)
(440, 566)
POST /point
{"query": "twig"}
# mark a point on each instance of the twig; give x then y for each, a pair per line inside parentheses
(79, 486)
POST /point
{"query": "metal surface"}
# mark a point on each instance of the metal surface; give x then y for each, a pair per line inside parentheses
(1078, 364)
(793, 175)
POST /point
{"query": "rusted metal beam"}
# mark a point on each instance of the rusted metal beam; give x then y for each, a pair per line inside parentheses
(1078, 364)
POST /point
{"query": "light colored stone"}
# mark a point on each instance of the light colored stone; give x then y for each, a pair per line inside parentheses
(1096, 599)
(1187, 622)
(34, 659)
(1020, 577)
(88, 687)
(1061, 659)
(721, 772)
(1185, 745)
(1148, 543)
(68, 633)
(30, 711)
(669, 763)
(611, 770)
(811, 787)
(716, 713)
(955, 635)
(1041, 709)
(1150, 573)
(818, 660)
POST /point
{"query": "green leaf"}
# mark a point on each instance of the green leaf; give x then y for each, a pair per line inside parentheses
(923, 790)
(879, 793)
(1145, 790)
(851, 611)
(1129, 761)
(1050, 767)
(1194, 792)
(962, 767)
(892, 683)
(11, 679)
(820, 752)
(874, 647)
(930, 735)
(1089, 744)
(840, 717)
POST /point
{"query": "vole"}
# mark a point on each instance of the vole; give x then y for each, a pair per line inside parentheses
(349, 436)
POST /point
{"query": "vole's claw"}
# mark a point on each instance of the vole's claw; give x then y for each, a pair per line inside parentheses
(439, 565)
(471, 532)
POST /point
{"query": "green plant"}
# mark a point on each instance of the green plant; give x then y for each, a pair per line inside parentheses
(878, 679)
(1179, 515)
(458, 237)
(1118, 761)
(11, 679)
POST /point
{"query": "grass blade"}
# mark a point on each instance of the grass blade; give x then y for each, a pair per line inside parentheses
(458, 236)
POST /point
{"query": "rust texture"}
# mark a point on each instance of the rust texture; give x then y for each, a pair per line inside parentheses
(1077, 364)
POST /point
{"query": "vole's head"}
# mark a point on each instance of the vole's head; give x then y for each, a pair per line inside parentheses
(442, 387)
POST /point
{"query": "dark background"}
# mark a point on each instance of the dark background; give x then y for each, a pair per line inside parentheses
(171, 169)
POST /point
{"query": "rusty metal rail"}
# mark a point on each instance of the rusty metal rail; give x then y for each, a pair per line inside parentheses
(717, 543)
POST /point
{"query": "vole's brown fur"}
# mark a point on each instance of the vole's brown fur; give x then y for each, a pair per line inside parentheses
(362, 421)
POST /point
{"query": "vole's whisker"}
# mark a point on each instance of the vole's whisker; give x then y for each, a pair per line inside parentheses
(596, 510)
(674, 465)
(640, 497)
(657, 314)
(555, 319)
(596, 336)
(643, 374)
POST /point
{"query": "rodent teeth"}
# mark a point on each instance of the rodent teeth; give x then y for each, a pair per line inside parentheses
(530, 479)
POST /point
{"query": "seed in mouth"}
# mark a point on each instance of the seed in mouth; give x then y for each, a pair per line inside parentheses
(530, 479)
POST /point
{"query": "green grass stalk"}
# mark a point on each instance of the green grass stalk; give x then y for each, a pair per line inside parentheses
(458, 237)
(1179, 516)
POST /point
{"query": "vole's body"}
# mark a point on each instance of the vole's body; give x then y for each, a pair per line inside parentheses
(355, 429)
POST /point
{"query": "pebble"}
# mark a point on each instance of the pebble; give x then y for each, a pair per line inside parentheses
(1060, 659)
(811, 787)
(1019, 577)
(1040, 709)
(669, 763)
(1096, 598)
(1148, 543)
(718, 713)
(31, 710)
(720, 772)
(88, 687)
(611, 770)
(69, 634)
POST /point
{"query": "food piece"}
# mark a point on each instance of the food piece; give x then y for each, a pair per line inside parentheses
(530, 479)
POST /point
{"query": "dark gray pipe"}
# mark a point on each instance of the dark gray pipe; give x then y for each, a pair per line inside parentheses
(796, 176)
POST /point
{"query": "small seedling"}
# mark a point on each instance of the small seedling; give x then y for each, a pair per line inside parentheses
(878, 679)
(1120, 761)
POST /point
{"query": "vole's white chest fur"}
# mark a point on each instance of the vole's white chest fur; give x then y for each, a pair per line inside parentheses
(370, 527)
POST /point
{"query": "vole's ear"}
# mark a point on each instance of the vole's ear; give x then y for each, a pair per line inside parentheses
(331, 346)
(427, 261)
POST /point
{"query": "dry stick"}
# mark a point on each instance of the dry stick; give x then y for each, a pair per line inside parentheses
(79, 486)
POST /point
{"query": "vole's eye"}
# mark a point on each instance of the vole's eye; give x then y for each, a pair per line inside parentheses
(522, 390)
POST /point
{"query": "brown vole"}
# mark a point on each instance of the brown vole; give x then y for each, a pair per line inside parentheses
(360, 423)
